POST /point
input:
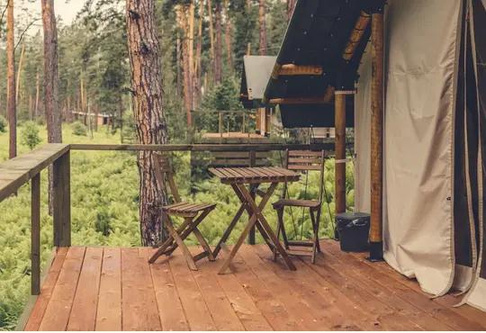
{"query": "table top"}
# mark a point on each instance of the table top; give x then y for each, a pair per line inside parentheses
(254, 175)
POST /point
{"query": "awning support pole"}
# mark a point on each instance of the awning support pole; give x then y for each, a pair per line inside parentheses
(377, 112)
(340, 150)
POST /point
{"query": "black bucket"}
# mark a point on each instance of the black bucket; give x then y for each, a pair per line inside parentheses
(353, 229)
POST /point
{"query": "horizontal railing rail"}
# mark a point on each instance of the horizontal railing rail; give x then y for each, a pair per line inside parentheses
(20, 170)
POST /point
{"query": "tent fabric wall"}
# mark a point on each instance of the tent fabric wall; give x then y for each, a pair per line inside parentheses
(421, 50)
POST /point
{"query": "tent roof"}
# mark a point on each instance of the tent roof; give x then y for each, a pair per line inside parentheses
(317, 37)
(256, 73)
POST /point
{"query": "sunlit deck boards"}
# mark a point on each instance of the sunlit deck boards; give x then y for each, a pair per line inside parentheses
(114, 289)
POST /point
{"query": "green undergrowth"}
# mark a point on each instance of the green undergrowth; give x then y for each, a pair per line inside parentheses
(104, 201)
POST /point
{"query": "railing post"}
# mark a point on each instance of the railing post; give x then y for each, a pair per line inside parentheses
(62, 201)
(251, 235)
(35, 235)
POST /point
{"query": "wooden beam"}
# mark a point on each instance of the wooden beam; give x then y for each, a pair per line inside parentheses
(35, 236)
(299, 100)
(294, 70)
(340, 149)
(61, 176)
(356, 35)
(377, 112)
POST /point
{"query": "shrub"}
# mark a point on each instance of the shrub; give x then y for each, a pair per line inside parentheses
(30, 135)
(79, 129)
(3, 124)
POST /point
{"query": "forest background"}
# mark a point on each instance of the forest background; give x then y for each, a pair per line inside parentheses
(202, 45)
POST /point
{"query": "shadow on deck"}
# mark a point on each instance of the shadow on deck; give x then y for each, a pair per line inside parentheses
(94, 288)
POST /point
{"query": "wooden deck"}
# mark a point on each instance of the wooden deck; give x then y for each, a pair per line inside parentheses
(115, 289)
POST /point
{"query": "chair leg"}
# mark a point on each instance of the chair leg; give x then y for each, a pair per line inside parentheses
(203, 243)
(185, 251)
(279, 229)
(315, 236)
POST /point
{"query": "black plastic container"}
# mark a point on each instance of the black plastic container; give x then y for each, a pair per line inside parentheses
(353, 229)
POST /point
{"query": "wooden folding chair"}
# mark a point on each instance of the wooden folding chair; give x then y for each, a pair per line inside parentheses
(193, 215)
(303, 161)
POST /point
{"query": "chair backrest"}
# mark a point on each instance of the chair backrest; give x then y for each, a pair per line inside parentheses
(165, 176)
(239, 159)
(305, 161)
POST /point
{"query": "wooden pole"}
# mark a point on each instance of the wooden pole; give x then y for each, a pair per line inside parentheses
(35, 235)
(376, 230)
(340, 148)
(62, 201)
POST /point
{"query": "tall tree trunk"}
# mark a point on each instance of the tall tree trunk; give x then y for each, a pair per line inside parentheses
(151, 128)
(211, 30)
(182, 15)
(19, 73)
(218, 45)
(290, 8)
(11, 103)
(227, 36)
(37, 95)
(51, 83)
(178, 63)
(263, 28)
(197, 63)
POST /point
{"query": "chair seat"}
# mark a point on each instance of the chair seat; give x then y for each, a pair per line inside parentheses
(187, 209)
(313, 204)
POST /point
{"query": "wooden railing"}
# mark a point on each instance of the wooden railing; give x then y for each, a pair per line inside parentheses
(18, 171)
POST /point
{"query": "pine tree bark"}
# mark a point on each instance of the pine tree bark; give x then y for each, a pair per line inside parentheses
(290, 8)
(228, 36)
(146, 82)
(182, 15)
(51, 74)
(263, 27)
(218, 44)
(19, 73)
(11, 95)
(197, 64)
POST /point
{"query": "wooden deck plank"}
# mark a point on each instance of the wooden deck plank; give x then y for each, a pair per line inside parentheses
(371, 282)
(83, 311)
(116, 289)
(296, 301)
(271, 308)
(42, 301)
(224, 316)
(139, 307)
(341, 314)
(243, 305)
(109, 314)
(385, 315)
(197, 313)
(410, 290)
(169, 304)
(58, 310)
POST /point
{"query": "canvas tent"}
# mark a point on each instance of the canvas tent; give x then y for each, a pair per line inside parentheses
(434, 127)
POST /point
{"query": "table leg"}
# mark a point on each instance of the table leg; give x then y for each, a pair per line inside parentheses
(228, 230)
(250, 213)
(251, 223)
(264, 223)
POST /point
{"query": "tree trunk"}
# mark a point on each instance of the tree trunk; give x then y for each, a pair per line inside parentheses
(51, 76)
(37, 95)
(290, 8)
(211, 31)
(182, 16)
(11, 103)
(51, 83)
(227, 36)
(263, 28)
(151, 128)
(19, 73)
(218, 45)
(197, 64)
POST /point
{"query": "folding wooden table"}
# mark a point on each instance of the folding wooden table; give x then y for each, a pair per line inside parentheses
(239, 179)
